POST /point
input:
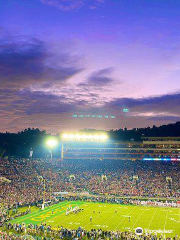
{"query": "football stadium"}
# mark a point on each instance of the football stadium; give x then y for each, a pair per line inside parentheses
(96, 189)
(89, 119)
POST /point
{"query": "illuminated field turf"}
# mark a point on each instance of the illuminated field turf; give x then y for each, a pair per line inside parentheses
(155, 219)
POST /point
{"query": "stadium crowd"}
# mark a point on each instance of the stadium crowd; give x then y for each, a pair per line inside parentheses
(102, 178)
(98, 178)
(45, 232)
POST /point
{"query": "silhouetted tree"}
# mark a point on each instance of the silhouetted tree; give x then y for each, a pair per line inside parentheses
(19, 144)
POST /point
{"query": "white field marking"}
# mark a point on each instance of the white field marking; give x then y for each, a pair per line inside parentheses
(84, 216)
(166, 220)
(72, 215)
(100, 215)
(138, 219)
(110, 218)
(61, 209)
(50, 221)
(101, 226)
(174, 220)
(89, 214)
(73, 223)
(43, 211)
(152, 217)
(125, 218)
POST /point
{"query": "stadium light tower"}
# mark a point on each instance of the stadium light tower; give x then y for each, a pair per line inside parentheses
(82, 137)
(51, 143)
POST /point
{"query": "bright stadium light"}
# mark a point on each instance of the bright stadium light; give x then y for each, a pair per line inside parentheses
(84, 137)
(65, 135)
(51, 143)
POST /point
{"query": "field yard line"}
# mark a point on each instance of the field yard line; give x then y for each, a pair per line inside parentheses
(166, 219)
(71, 216)
(37, 213)
(132, 210)
(152, 218)
(138, 219)
(111, 217)
(85, 216)
(98, 216)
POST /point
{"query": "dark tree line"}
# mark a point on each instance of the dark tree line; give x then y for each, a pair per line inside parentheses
(170, 130)
(19, 144)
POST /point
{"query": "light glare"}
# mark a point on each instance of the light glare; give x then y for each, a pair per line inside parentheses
(84, 137)
(52, 142)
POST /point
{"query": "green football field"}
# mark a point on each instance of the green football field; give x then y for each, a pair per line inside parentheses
(165, 221)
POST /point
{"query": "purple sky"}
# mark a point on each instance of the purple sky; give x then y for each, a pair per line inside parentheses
(65, 57)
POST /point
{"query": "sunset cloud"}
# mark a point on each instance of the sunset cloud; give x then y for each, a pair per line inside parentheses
(28, 61)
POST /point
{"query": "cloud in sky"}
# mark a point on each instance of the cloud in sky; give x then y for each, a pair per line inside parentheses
(39, 87)
(165, 118)
(64, 5)
(37, 102)
(39, 108)
(167, 103)
(69, 5)
(101, 77)
(28, 61)
(152, 110)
